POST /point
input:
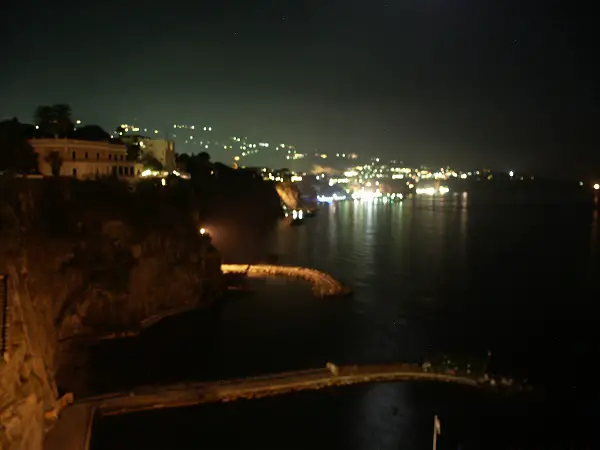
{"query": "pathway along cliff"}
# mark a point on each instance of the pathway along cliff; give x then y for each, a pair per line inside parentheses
(324, 285)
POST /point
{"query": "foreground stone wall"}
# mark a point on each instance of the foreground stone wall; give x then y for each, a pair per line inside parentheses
(27, 386)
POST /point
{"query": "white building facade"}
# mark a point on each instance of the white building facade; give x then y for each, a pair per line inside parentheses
(161, 149)
(84, 159)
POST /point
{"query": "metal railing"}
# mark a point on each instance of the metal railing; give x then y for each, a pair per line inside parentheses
(3, 315)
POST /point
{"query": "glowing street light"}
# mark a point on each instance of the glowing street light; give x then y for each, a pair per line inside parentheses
(202, 231)
(511, 173)
(597, 186)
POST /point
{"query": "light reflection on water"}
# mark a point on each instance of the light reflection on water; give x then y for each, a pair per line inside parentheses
(382, 417)
(427, 267)
(458, 274)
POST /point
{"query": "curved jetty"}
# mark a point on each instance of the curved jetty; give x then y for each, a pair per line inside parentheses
(324, 285)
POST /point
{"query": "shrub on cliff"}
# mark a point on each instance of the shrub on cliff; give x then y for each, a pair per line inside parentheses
(231, 196)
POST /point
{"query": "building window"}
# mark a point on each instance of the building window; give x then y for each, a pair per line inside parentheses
(74, 155)
(114, 170)
(109, 157)
(86, 155)
(75, 173)
(122, 157)
(97, 156)
(120, 170)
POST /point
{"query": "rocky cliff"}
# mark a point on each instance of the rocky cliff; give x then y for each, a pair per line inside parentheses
(290, 195)
(86, 259)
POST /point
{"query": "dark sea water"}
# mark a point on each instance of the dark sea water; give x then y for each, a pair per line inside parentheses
(514, 273)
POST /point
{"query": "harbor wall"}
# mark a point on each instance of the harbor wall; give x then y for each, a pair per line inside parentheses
(323, 284)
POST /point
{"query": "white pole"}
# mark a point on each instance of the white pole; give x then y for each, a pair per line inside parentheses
(434, 434)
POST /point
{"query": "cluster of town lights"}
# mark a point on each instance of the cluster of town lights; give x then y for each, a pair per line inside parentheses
(329, 199)
(432, 191)
(163, 174)
(359, 196)
(366, 195)
(297, 214)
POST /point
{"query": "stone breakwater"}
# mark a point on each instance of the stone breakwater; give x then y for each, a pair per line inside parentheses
(324, 285)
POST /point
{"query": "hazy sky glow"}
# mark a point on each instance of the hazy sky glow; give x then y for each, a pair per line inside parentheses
(469, 82)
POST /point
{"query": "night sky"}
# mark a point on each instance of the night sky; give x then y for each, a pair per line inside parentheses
(506, 84)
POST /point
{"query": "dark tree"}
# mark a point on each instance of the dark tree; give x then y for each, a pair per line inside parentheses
(199, 166)
(203, 158)
(55, 161)
(135, 146)
(44, 118)
(134, 152)
(15, 151)
(91, 133)
(150, 162)
(62, 114)
(54, 120)
(183, 159)
(222, 169)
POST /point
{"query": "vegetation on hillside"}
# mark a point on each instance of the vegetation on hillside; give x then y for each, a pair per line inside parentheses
(220, 191)
(230, 194)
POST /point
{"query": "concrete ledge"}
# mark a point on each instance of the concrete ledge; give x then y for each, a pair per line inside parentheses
(323, 284)
(73, 430)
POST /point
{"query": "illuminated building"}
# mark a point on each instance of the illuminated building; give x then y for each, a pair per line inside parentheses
(83, 159)
(161, 149)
